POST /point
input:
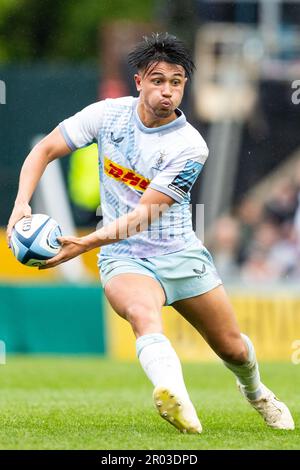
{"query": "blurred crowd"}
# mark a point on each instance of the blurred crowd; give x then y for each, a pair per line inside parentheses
(260, 241)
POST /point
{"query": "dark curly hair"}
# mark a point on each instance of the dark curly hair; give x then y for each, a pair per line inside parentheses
(161, 47)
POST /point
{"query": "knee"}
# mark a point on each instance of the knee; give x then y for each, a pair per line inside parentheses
(234, 352)
(142, 318)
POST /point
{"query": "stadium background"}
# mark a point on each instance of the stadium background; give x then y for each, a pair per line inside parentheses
(57, 57)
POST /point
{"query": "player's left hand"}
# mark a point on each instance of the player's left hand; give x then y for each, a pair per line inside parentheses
(71, 247)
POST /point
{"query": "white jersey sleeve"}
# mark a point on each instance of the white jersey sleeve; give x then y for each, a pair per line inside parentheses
(83, 128)
(178, 177)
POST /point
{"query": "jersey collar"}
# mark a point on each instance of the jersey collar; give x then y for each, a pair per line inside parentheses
(176, 124)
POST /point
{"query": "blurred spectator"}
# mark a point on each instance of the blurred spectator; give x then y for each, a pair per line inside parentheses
(262, 241)
(274, 254)
(297, 221)
(282, 205)
(285, 253)
(258, 268)
(266, 235)
(224, 243)
(249, 214)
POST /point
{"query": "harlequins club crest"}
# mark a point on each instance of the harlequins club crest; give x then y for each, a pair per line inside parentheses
(160, 160)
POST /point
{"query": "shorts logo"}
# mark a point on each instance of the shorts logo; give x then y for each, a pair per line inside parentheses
(125, 175)
(200, 273)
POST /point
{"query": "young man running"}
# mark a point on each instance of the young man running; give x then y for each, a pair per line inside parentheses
(149, 159)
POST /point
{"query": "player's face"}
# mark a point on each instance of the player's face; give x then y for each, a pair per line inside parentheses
(161, 88)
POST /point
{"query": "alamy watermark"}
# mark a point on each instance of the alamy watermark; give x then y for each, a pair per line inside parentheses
(158, 223)
(2, 92)
(2, 353)
(295, 357)
(296, 94)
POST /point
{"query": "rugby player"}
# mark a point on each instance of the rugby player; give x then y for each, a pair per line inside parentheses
(149, 159)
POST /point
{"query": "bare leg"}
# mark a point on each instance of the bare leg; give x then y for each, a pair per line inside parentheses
(212, 315)
(139, 298)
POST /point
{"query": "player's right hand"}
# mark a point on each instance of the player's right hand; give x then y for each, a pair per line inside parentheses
(20, 210)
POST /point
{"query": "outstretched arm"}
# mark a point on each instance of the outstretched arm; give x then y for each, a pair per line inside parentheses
(151, 205)
(51, 147)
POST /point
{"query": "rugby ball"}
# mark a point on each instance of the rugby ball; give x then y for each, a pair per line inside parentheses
(34, 239)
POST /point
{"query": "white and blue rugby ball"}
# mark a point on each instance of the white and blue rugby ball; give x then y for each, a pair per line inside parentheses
(34, 239)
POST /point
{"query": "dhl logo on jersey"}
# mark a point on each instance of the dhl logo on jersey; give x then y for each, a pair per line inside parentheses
(125, 175)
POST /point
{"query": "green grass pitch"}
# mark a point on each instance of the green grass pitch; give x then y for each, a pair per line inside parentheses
(93, 403)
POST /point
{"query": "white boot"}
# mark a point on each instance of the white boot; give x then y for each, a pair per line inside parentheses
(275, 413)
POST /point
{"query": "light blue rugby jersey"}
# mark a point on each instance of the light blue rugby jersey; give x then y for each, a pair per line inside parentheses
(133, 157)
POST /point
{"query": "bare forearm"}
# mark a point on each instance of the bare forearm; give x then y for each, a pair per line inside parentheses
(121, 228)
(51, 147)
(151, 205)
(31, 172)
